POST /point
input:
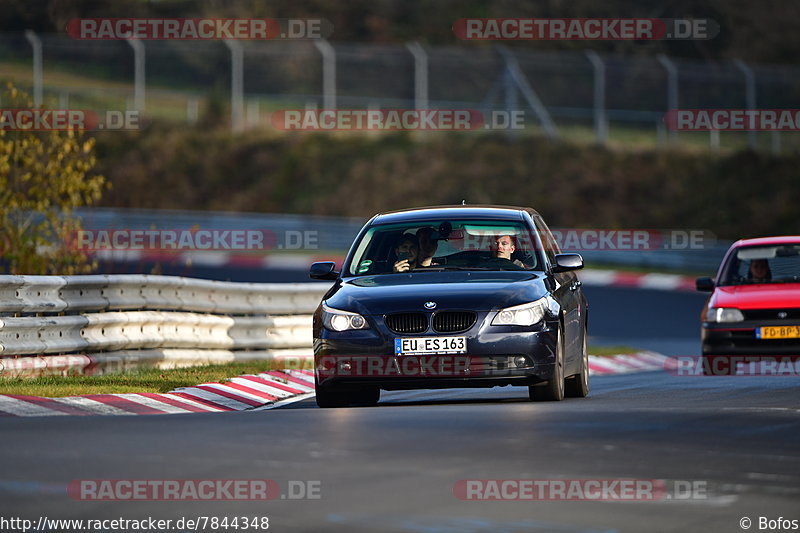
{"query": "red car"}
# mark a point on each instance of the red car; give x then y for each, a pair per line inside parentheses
(754, 307)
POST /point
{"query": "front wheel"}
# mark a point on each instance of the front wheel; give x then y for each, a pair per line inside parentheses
(578, 385)
(553, 390)
(327, 397)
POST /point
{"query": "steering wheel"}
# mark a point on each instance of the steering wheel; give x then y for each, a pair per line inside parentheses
(506, 264)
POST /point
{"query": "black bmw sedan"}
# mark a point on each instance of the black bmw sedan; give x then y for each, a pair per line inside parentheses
(451, 296)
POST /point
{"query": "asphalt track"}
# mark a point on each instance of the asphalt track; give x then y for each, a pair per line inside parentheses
(394, 467)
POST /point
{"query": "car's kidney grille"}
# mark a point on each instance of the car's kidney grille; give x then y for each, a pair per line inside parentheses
(452, 321)
(407, 322)
(771, 314)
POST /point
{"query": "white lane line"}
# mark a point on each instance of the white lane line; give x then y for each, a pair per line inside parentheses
(22, 408)
(93, 406)
(154, 404)
(216, 398)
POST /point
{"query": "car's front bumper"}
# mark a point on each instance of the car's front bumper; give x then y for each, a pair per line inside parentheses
(367, 357)
(739, 338)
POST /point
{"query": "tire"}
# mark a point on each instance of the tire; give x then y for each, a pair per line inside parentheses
(553, 390)
(578, 385)
(327, 398)
(332, 398)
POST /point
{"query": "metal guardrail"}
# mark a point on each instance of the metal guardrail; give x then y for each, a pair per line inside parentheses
(141, 319)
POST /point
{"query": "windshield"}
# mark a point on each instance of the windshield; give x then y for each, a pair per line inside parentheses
(763, 264)
(434, 246)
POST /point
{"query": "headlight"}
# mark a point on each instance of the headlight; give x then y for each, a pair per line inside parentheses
(523, 315)
(336, 320)
(724, 314)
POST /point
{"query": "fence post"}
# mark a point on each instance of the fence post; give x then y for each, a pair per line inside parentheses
(420, 75)
(138, 73)
(36, 44)
(328, 72)
(749, 96)
(776, 142)
(672, 89)
(600, 117)
(514, 73)
(237, 84)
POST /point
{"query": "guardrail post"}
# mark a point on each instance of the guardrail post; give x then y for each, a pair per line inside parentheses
(328, 73)
(138, 73)
(420, 75)
(36, 44)
(749, 96)
(237, 84)
(600, 117)
(672, 89)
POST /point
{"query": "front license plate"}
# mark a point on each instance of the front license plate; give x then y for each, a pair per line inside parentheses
(430, 345)
(778, 332)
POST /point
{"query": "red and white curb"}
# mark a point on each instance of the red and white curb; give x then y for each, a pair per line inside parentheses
(637, 280)
(244, 392)
(266, 390)
(630, 363)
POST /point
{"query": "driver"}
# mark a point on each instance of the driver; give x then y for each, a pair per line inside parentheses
(759, 271)
(504, 246)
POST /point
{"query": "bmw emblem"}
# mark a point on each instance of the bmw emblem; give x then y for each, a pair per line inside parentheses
(430, 305)
(783, 314)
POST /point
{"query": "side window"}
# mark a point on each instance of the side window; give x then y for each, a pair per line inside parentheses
(550, 245)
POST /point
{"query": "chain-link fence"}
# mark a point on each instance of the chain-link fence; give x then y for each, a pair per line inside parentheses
(608, 98)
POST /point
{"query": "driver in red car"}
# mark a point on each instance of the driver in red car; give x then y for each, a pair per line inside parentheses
(760, 271)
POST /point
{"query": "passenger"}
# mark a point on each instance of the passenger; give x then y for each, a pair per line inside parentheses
(759, 271)
(407, 253)
(427, 246)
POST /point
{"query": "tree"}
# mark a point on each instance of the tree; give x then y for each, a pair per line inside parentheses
(44, 177)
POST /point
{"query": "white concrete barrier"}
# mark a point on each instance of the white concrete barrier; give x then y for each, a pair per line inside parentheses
(131, 319)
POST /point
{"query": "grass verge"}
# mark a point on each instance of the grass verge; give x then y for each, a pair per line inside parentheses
(142, 380)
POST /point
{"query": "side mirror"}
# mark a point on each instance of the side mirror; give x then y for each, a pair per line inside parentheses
(565, 262)
(704, 284)
(323, 270)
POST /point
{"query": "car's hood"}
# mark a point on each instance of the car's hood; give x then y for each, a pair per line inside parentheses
(761, 296)
(478, 291)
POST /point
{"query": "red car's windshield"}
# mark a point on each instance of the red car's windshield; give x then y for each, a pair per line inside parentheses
(762, 264)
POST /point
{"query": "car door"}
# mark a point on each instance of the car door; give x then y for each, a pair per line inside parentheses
(568, 294)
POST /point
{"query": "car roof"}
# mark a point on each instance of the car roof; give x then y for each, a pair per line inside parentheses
(768, 241)
(477, 212)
